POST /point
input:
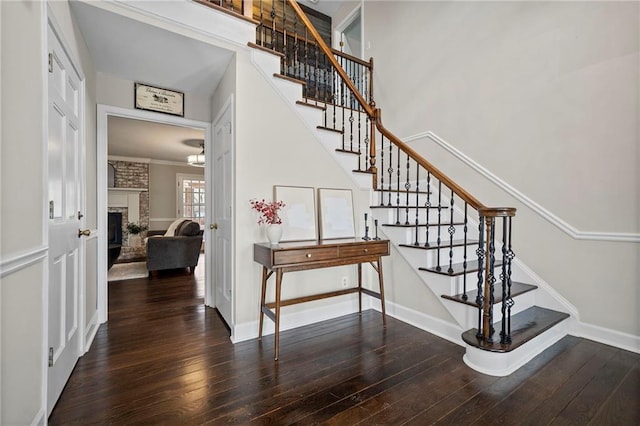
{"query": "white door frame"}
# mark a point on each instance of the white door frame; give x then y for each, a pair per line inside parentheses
(103, 113)
(358, 11)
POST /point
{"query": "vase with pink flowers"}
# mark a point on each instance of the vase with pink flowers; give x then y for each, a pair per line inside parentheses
(269, 215)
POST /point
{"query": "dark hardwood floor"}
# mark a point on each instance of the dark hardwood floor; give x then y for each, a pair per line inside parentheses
(163, 358)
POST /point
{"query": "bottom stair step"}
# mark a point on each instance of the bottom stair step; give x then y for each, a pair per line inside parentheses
(525, 326)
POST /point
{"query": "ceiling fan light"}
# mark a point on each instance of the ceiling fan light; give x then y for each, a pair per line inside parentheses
(196, 160)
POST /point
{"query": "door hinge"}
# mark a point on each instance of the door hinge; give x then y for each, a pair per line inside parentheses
(51, 209)
(50, 62)
(50, 357)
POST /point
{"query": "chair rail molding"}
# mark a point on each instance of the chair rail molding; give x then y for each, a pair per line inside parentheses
(572, 231)
(24, 259)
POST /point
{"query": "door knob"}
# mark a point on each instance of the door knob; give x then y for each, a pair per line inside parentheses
(213, 226)
(86, 232)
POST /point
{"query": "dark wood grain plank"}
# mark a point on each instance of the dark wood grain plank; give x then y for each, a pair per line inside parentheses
(164, 358)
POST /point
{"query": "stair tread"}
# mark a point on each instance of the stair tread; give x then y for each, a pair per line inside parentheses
(517, 288)
(409, 207)
(421, 225)
(292, 79)
(458, 268)
(525, 326)
(443, 244)
(369, 172)
(265, 49)
(329, 129)
(347, 151)
(320, 107)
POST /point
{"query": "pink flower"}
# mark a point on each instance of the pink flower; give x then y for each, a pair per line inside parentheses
(268, 211)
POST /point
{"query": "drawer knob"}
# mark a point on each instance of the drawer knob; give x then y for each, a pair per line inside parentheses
(366, 250)
(308, 255)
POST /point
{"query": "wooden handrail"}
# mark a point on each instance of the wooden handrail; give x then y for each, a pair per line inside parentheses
(352, 58)
(461, 192)
(375, 116)
(328, 52)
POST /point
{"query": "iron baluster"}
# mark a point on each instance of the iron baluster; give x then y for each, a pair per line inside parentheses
(491, 280)
(284, 37)
(407, 188)
(464, 256)
(439, 239)
(452, 230)
(273, 25)
(390, 170)
(428, 207)
(416, 243)
(509, 257)
(479, 296)
(398, 190)
(382, 168)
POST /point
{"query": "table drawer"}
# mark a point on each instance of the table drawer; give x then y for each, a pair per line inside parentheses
(381, 248)
(304, 255)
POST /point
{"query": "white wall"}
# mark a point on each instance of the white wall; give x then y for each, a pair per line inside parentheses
(118, 92)
(23, 240)
(273, 147)
(544, 95)
(162, 192)
(23, 154)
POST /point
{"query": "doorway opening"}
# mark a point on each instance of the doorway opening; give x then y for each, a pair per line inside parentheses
(141, 193)
(349, 34)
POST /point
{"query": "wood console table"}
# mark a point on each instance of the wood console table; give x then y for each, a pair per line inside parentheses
(302, 256)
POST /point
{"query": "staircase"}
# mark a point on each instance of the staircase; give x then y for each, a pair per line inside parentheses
(461, 249)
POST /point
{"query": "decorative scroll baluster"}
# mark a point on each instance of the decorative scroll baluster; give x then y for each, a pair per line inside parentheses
(416, 243)
(359, 137)
(464, 256)
(398, 190)
(285, 65)
(428, 207)
(490, 281)
(407, 188)
(390, 170)
(273, 25)
(480, 287)
(452, 230)
(367, 141)
(382, 168)
(507, 301)
(439, 239)
(351, 120)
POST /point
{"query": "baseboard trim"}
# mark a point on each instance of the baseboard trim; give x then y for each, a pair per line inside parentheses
(428, 323)
(607, 336)
(625, 237)
(22, 260)
(249, 330)
(90, 334)
(40, 418)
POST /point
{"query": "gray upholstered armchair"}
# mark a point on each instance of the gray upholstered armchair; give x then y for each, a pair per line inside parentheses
(179, 251)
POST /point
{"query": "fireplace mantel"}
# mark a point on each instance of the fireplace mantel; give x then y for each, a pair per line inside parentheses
(129, 198)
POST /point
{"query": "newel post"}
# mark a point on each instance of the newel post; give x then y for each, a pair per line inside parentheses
(486, 272)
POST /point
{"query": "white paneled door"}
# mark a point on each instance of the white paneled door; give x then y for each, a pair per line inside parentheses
(65, 191)
(222, 214)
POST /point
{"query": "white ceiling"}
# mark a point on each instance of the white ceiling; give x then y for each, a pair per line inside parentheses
(144, 139)
(136, 51)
